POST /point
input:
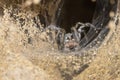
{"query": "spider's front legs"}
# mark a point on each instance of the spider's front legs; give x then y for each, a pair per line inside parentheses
(80, 25)
(57, 36)
(60, 38)
(76, 35)
(77, 30)
(92, 26)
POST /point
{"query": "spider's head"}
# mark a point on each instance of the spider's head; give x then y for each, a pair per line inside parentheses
(70, 43)
(68, 37)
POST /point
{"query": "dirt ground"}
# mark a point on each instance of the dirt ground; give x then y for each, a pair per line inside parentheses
(24, 56)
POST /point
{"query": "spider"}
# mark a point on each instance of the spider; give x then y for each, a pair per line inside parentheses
(69, 41)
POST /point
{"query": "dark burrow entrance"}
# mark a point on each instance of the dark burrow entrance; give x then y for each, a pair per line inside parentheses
(95, 12)
(76, 11)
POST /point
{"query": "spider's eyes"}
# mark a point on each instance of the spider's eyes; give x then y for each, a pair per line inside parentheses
(79, 30)
(71, 36)
(67, 38)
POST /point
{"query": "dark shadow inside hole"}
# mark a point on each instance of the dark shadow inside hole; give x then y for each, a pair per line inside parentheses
(76, 11)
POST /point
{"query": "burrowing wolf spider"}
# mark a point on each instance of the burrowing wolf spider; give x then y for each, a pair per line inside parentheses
(69, 41)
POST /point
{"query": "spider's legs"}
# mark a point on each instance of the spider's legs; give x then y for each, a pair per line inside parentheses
(81, 30)
(77, 30)
(60, 38)
(92, 26)
(75, 33)
(85, 36)
(79, 24)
